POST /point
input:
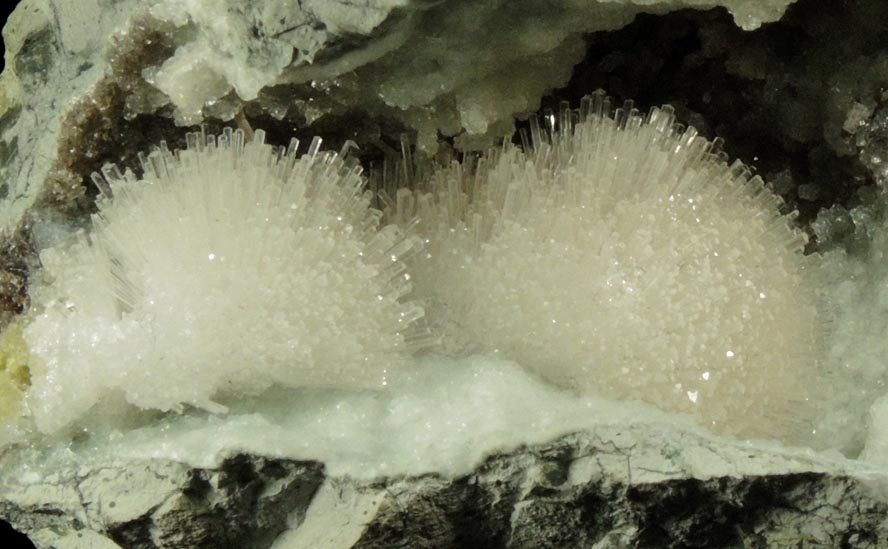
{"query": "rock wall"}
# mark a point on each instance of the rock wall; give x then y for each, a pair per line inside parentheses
(612, 487)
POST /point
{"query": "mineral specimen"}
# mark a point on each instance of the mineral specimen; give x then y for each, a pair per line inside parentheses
(618, 253)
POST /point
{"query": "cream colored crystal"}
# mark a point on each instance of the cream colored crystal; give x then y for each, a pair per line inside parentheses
(620, 255)
(227, 269)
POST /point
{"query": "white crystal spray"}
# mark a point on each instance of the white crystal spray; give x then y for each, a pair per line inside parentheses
(620, 254)
(227, 268)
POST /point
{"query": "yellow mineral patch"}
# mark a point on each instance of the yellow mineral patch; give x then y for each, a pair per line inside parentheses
(14, 374)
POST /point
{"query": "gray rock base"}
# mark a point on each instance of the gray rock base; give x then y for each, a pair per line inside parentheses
(583, 490)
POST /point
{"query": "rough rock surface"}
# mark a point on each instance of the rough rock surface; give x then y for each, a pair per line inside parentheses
(245, 502)
(625, 486)
(103, 81)
(97, 81)
(94, 81)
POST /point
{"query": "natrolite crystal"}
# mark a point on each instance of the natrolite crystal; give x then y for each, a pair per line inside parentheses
(612, 253)
(227, 268)
(619, 254)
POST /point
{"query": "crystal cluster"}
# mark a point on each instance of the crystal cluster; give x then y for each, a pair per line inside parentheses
(227, 268)
(620, 254)
(855, 244)
(612, 253)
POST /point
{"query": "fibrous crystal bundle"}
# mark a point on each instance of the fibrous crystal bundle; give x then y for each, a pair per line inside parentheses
(619, 254)
(227, 268)
(612, 253)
